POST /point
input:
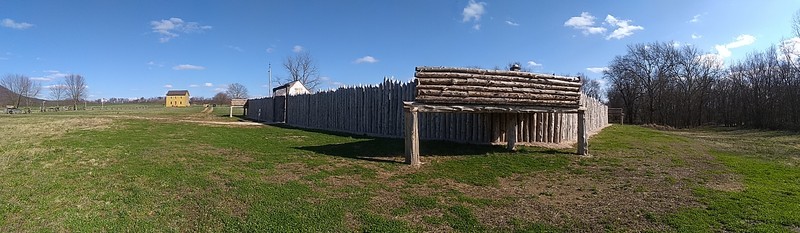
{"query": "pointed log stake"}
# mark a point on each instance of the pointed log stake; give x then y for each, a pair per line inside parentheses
(412, 137)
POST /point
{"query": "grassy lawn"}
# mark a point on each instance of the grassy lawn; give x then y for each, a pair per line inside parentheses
(158, 169)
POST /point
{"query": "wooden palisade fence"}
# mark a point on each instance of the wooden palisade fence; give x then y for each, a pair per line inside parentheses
(377, 110)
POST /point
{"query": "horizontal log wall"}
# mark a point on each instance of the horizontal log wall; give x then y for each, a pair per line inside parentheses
(448, 85)
(377, 110)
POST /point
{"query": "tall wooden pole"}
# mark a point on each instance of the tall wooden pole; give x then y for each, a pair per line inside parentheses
(583, 144)
(412, 137)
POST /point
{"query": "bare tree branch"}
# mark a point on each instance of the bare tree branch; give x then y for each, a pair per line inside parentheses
(76, 88)
(236, 91)
(301, 67)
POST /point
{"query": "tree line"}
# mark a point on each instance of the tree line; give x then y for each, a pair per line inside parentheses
(23, 88)
(679, 86)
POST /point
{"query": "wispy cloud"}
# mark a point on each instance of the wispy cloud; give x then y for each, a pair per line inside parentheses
(50, 75)
(46, 79)
(597, 70)
(237, 48)
(208, 84)
(188, 67)
(584, 23)
(512, 23)
(366, 59)
(624, 28)
(695, 19)
(741, 40)
(171, 28)
(193, 85)
(10, 23)
(270, 50)
(533, 64)
(476, 27)
(297, 48)
(696, 36)
(168, 86)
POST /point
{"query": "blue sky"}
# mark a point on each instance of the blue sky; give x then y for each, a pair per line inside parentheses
(143, 48)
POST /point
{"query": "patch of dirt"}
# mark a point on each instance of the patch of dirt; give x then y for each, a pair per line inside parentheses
(230, 205)
(726, 182)
(287, 172)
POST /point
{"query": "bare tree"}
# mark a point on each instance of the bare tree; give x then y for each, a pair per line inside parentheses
(221, 98)
(21, 87)
(58, 92)
(301, 67)
(76, 88)
(590, 87)
(236, 91)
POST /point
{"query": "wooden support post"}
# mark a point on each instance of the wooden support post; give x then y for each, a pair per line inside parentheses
(511, 131)
(583, 144)
(231, 115)
(412, 137)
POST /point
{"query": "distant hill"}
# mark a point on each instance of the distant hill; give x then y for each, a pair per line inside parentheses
(7, 97)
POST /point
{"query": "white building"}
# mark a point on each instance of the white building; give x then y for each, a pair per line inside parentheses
(294, 88)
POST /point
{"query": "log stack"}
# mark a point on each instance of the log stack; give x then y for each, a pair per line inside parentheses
(466, 86)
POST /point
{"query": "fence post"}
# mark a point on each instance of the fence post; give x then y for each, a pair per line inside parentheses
(412, 137)
(511, 131)
(583, 147)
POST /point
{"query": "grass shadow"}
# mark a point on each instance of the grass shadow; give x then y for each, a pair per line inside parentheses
(391, 150)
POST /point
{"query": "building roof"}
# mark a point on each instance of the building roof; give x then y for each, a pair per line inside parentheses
(177, 92)
(285, 86)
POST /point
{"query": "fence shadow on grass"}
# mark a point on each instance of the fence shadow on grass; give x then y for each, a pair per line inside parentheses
(392, 150)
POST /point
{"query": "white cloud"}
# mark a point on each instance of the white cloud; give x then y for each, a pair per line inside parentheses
(10, 23)
(297, 48)
(193, 85)
(270, 50)
(188, 67)
(624, 28)
(170, 28)
(473, 11)
(220, 89)
(712, 60)
(46, 79)
(695, 19)
(676, 44)
(742, 40)
(234, 48)
(533, 64)
(585, 23)
(55, 85)
(477, 27)
(597, 70)
(790, 47)
(696, 36)
(208, 84)
(168, 86)
(512, 23)
(366, 59)
(50, 76)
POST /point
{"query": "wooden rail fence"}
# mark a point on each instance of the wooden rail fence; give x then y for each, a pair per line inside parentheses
(377, 110)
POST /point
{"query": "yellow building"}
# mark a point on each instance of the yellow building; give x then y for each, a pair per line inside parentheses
(177, 98)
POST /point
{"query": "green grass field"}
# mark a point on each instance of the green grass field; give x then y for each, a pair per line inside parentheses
(157, 169)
